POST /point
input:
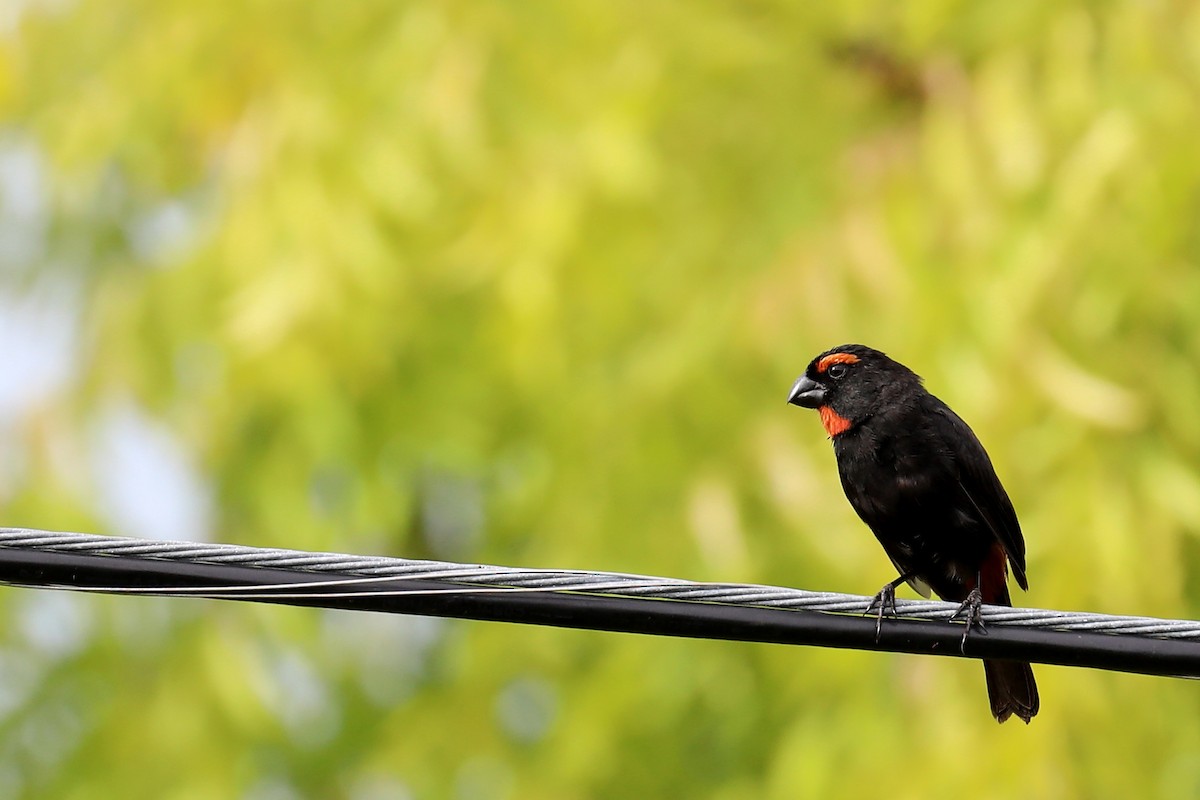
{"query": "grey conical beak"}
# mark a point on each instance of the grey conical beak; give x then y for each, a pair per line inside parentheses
(807, 393)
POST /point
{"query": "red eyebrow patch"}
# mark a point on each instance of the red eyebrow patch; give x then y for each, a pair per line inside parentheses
(836, 358)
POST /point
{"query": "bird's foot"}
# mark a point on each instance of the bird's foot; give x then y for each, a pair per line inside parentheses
(971, 612)
(885, 601)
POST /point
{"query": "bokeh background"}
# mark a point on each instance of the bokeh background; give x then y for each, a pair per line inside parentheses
(527, 283)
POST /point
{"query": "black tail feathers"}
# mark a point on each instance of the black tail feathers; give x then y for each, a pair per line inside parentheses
(1011, 689)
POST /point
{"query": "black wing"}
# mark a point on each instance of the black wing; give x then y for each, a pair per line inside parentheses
(981, 487)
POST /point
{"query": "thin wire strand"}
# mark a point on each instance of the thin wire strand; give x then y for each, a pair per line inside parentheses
(377, 568)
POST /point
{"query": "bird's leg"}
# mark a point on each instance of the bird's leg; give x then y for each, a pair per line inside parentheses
(886, 601)
(971, 612)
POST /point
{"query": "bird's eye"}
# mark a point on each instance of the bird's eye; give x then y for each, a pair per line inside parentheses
(837, 370)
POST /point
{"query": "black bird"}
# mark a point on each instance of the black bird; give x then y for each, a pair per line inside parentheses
(921, 480)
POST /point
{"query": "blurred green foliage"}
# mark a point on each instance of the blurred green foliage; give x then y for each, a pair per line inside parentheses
(526, 283)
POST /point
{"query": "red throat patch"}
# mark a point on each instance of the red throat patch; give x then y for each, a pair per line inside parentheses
(834, 423)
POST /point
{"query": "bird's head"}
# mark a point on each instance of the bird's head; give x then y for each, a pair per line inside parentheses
(851, 383)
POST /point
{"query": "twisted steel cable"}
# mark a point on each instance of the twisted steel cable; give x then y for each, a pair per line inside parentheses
(477, 578)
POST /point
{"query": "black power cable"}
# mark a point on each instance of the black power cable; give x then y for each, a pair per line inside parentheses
(87, 571)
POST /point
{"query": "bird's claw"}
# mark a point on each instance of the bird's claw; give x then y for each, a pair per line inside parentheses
(885, 600)
(971, 612)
